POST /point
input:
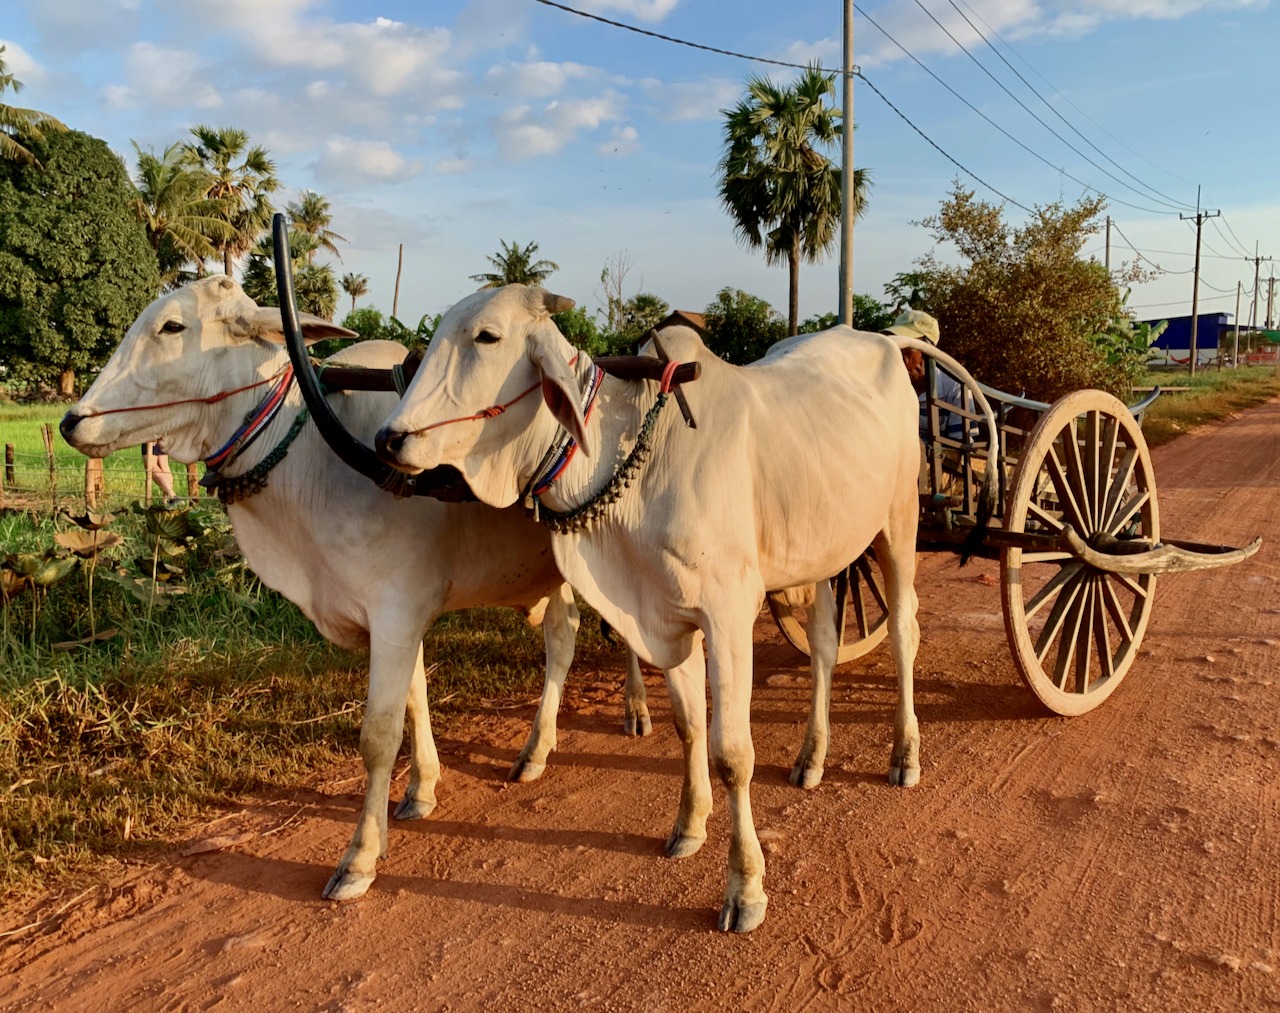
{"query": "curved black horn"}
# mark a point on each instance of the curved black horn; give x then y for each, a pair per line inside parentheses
(443, 483)
(350, 451)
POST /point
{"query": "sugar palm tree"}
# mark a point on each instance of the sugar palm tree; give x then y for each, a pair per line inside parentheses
(310, 213)
(18, 124)
(182, 222)
(355, 285)
(243, 177)
(782, 191)
(516, 266)
(315, 286)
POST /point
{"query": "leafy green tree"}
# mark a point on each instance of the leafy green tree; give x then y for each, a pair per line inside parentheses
(783, 193)
(582, 331)
(514, 265)
(182, 221)
(355, 285)
(640, 313)
(314, 285)
(741, 326)
(868, 315)
(18, 125)
(311, 214)
(75, 265)
(1023, 308)
(243, 177)
(368, 322)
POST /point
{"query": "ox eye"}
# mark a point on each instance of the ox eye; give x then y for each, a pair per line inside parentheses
(173, 327)
(487, 337)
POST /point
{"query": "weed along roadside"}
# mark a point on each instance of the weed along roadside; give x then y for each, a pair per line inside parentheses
(148, 678)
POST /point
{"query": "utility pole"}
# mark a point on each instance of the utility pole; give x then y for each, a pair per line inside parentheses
(1108, 254)
(1257, 267)
(1200, 217)
(1271, 298)
(846, 175)
(1235, 340)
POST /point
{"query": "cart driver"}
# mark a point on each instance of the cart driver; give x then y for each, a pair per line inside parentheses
(918, 324)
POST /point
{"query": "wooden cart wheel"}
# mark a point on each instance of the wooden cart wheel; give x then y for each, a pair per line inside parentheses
(864, 623)
(1075, 630)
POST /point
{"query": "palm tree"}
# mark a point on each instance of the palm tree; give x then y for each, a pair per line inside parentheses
(16, 122)
(355, 285)
(243, 176)
(182, 222)
(782, 192)
(311, 214)
(516, 266)
(315, 287)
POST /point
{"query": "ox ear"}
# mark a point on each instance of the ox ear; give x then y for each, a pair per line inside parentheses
(559, 386)
(553, 303)
(264, 324)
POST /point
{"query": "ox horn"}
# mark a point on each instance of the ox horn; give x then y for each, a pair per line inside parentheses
(443, 483)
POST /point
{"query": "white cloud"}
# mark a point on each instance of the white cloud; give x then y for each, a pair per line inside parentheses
(20, 63)
(537, 78)
(691, 101)
(161, 76)
(641, 10)
(625, 141)
(351, 161)
(523, 134)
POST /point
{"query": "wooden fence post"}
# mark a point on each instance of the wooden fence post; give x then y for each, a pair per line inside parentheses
(93, 485)
(193, 484)
(148, 462)
(8, 465)
(47, 432)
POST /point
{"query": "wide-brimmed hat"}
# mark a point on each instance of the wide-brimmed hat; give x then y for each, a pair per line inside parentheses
(915, 324)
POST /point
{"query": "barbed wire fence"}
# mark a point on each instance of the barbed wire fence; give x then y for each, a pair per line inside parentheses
(46, 481)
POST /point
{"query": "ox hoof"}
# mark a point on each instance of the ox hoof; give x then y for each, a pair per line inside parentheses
(904, 777)
(347, 886)
(683, 845)
(737, 916)
(414, 808)
(806, 777)
(638, 725)
(525, 771)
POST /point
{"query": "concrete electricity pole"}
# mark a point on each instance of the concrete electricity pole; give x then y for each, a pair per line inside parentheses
(1200, 217)
(846, 175)
(1271, 298)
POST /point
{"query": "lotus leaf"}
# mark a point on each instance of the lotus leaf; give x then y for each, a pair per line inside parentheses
(87, 543)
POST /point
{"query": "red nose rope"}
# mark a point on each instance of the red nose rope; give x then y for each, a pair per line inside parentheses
(492, 412)
(211, 399)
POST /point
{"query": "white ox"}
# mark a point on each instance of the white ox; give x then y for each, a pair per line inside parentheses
(797, 464)
(367, 569)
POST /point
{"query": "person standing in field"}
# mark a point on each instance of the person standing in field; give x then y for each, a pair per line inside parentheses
(156, 463)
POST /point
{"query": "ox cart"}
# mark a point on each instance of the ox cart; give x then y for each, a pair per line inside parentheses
(1076, 527)
(1077, 533)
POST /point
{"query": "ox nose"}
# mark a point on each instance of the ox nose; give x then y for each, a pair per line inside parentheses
(68, 425)
(388, 443)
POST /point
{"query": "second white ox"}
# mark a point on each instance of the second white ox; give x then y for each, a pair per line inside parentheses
(797, 464)
(367, 569)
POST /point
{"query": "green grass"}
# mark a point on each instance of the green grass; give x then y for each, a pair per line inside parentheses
(224, 692)
(1215, 394)
(21, 425)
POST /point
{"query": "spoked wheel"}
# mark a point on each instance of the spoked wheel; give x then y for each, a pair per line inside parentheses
(864, 623)
(1074, 630)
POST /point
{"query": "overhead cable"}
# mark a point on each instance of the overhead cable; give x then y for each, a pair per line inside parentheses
(1027, 109)
(1143, 256)
(1025, 147)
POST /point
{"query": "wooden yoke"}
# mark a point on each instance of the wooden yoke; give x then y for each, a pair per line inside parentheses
(625, 367)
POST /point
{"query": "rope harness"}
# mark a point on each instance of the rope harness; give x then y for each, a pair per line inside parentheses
(581, 517)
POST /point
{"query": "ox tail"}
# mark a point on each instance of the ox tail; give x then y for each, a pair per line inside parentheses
(989, 494)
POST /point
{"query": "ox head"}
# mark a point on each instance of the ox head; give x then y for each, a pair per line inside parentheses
(489, 350)
(194, 343)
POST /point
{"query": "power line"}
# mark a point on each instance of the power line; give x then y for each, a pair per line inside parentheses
(1027, 148)
(1177, 302)
(1000, 84)
(1239, 245)
(937, 148)
(1056, 91)
(1143, 256)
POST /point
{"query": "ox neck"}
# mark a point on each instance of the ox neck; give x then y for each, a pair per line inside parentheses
(619, 427)
(242, 453)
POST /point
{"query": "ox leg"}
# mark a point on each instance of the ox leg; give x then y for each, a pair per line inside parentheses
(560, 634)
(391, 673)
(687, 687)
(732, 752)
(424, 762)
(898, 562)
(824, 646)
(636, 716)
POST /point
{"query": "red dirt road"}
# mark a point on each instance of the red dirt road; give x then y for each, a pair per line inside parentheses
(1127, 859)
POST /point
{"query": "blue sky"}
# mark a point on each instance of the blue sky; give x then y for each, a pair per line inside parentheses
(449, 125)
